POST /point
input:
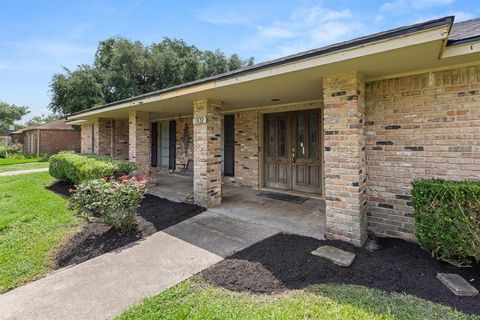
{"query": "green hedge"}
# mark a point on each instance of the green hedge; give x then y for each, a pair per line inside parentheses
(75, 168)
(447, 219)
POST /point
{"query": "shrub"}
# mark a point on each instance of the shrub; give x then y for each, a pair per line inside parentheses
(15, 148)
(87, 197)
(123, 167)
(75, 168)
(447, 219)
(12, 151)
(116, 200)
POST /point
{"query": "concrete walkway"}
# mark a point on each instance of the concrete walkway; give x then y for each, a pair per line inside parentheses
(17, 172)
(105, 286)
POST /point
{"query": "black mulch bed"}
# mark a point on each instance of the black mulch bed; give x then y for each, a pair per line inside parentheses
(96, 238)
(60, 187)
(285, 261)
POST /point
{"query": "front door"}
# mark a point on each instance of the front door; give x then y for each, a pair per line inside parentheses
(292, 151)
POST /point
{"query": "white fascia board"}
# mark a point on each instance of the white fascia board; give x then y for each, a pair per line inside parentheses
(461, 49)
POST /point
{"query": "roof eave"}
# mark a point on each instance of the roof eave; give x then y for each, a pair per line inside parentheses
(382, 36)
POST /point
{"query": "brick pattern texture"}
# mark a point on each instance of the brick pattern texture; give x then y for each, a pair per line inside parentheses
(183, 153)
(103, 136)
(119, 139)
(139, 141)
(246, 150)
(86, 138)
(207, 173)
(111, 137)
(420, 126)
(54, 141)
(344, 157)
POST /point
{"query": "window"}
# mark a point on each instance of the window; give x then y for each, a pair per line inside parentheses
(229, 145)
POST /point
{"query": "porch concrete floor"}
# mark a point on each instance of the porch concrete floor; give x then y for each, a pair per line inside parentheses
(306, 219)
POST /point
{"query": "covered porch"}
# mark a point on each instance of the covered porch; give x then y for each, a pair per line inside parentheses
(294, 124)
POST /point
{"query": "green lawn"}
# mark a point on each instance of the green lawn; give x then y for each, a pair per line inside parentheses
(34, 223)
(23, 166)
(194, 299)
(18, 161)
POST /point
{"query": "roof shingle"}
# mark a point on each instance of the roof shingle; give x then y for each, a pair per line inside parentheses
(465, 30)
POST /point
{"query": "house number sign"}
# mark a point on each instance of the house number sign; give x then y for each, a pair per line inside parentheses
(200, 120)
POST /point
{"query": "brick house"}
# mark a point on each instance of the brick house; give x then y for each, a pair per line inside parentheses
(5, 137)
(352, 123)
(49, 138)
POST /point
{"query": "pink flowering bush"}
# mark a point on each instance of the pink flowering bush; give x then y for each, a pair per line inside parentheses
(116, 200)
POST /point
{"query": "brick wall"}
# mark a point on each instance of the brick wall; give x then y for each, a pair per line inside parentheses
(139, 143)
(103, 136)
(246, 150)
(54, 141)
(86, 138)
(420, 126)
(119, 139)
(207, 176)
(183, 153)
(17, 137)
(344, 157)
(30, 141)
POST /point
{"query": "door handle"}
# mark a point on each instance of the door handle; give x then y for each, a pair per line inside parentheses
(293, 156)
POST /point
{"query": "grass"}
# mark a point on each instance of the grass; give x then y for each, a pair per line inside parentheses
(195, 299)
(23, 166)
(19, 161)
(34, 223)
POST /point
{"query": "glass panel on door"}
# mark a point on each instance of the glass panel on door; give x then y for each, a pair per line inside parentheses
(271, 137)
(312, 137)
(300, 136)
(282, 147)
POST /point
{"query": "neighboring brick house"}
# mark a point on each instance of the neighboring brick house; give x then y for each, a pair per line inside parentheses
(5, 137)
(49, 138)
(353, 123)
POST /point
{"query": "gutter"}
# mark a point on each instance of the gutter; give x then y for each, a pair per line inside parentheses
(463, 41)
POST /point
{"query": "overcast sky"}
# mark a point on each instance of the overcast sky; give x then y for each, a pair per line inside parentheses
(37, 38)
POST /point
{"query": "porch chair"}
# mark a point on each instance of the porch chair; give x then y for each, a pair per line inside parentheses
(187, 168)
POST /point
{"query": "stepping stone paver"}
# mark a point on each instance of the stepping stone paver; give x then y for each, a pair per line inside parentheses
(338, 256)
(458, 285)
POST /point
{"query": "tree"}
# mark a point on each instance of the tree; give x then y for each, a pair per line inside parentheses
(9, 113)
(173, 62)
(214, 63)
(76, 90)
(41, 119)
(123, 69)
(123, 66)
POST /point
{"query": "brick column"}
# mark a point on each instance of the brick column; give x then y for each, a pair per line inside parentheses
(345, 168)
(139, 141)
(103, 136)
(119, 139)
(207, 171)
(86, 138)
